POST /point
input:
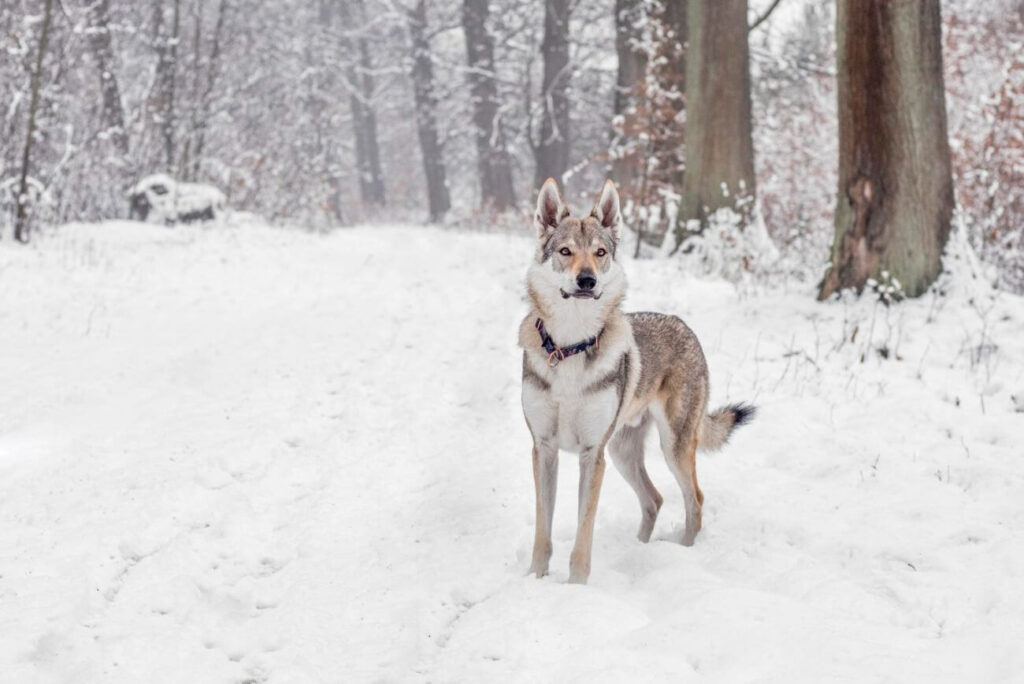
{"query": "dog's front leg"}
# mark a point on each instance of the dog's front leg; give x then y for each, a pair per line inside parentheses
(591, 474)
(545, 480)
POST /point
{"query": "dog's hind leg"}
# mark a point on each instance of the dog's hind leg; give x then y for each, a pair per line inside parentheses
(627, 451)
(545, 479)
(684, 467)
(678, 424)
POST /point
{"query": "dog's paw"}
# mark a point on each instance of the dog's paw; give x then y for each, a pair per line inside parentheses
(579, 568)
(539, 566)
(541, 559)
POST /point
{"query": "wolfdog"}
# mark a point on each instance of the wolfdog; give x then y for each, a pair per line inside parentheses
(595, 376)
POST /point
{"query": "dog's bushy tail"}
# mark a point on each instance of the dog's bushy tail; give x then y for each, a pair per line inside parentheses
(718, 425)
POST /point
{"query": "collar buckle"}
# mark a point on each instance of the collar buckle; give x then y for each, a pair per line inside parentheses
(558, 354)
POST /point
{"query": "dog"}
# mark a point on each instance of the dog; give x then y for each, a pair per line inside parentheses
(595, 377)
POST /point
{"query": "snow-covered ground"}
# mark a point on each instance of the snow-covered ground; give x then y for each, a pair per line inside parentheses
(241, 454)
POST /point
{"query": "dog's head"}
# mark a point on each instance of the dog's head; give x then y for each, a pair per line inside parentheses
(576, 256)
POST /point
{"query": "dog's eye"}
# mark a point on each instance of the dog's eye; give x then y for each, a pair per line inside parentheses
(565, 251)
(601, 252)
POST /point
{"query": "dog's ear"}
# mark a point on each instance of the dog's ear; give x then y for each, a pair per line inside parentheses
(550, 208)
(607, 208)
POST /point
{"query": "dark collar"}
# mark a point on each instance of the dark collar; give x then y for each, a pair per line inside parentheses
(557, 354)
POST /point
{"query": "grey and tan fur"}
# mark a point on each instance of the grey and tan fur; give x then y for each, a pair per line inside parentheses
(647, 368)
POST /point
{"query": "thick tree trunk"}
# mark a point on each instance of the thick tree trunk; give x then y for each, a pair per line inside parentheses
(648, 147)
(426, 114)
(719, 144)
(552, 152)
(671, 76)
(364, 118)
(21, 219)
(102, 49)
(493, 160)
(626, 161)
(895, 196)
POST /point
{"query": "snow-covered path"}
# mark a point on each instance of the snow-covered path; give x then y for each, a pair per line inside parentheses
(249, 454)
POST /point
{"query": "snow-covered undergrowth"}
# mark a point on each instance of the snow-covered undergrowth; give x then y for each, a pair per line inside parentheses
(247, 454)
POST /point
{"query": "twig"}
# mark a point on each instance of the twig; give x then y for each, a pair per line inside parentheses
(767, 13)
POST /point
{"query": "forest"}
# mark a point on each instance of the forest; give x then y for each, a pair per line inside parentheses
(333, 113)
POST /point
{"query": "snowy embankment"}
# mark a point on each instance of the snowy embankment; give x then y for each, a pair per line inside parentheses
(246, 454)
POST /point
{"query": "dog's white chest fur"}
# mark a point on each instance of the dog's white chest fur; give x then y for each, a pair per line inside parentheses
(585, 418)
(570, 413)
(576, 403)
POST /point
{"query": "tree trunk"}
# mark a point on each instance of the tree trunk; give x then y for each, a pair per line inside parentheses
(719, 144)
(364, 118)
(648, 148)
(670, 75)
(493, 160)
(166, 76)
(334, 204)
(552, 152)
(895, 198)
(627, 156)
(99, 41)
(211, 82)
(193, 100)
(21, 222)
(426, 114)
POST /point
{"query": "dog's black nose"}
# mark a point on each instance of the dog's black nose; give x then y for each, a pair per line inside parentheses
(586, 280)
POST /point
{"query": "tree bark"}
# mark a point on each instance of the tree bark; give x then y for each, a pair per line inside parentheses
(21, 222)
(211, 81)
(102, 49)
(719, 142)
(648, 148)
(194, 96)
(493, 160)
(166, 76)
(626, 162)
(671, 77)
(334, 204)
(426, 114)
(364, 118)
(895, 198)
(552, 151)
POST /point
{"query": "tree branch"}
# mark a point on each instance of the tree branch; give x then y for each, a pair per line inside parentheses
(767, 13)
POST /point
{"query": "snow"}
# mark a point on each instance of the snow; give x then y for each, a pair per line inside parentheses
(179, 198)
(36, 194)
(237, 453)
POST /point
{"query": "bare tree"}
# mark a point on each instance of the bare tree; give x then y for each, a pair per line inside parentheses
(648, 148)
(493, 160)
(895, 186)
(166, 75)
(361, 92)
(670, 76)
(438, 200)
(333, 202)
(552, 150)
(202, 117)
(21, 220)
(630, 18)
(99, 40)
(719, 142)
